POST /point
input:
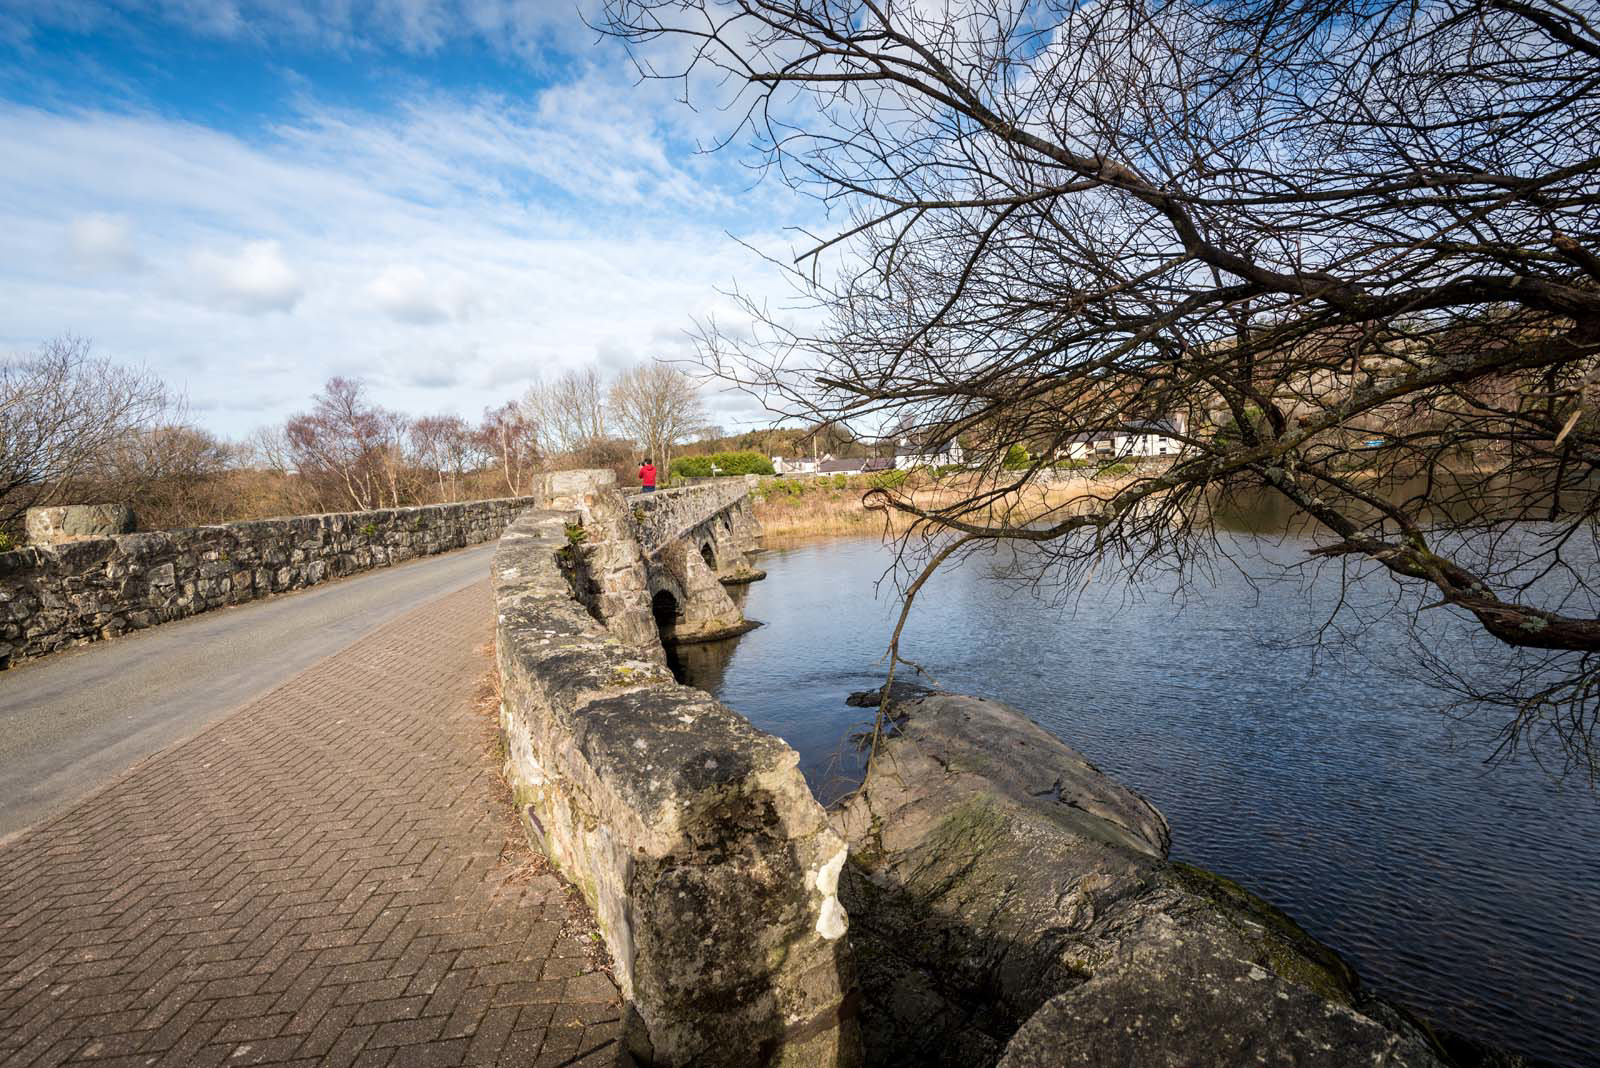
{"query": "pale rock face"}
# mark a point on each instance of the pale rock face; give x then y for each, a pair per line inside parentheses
(1011, 904)
(69, 522)
(832, 922)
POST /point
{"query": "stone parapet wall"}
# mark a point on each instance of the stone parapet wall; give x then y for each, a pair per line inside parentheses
(54, 596)
(610, 576)
(710, 867)
(663, 517)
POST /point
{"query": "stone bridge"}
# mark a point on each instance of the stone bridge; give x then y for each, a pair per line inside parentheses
(710, 867)
(331, 872)
(653, 566)
(72, 585)
(695, 541)
(328, 869)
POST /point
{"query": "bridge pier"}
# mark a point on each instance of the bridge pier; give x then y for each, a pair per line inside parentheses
(705, 612)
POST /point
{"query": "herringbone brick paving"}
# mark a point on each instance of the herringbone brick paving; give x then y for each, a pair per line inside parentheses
(332, 875)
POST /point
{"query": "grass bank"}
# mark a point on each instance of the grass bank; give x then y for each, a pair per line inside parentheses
(798, 509)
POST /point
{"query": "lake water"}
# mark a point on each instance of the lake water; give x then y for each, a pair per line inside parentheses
(1326, 783)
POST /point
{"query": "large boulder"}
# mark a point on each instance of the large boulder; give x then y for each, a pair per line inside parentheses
(1012, 904)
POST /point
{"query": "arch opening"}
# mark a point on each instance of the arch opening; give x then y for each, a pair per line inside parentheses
(664, 607)
(708, 556)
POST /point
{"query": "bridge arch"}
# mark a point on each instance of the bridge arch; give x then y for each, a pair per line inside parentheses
(708, 554)
(667, 610)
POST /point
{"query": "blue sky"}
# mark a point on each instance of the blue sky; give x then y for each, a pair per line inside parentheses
(448, 199)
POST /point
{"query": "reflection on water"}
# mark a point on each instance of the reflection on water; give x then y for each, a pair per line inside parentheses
(1324, 783)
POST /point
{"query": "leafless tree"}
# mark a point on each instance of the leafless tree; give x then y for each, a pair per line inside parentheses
(659, 406)
(1350, 250)
(172, 475)
(446, 447)
(62, 410)
(569, 412)
(510, 439)
(348, 444)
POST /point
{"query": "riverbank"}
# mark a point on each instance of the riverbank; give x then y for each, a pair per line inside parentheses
(792, 510)
(1324, 781)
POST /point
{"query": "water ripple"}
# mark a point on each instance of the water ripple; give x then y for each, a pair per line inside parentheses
(1328, 785)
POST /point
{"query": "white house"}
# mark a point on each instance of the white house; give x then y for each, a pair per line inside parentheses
(1129, 441)
(908, 455)
(785, 465)
(853, 466)
(846, 466)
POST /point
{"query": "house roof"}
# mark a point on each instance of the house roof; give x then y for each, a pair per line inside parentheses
(1133, 426)
(1150, 426)
(922, 450)
(877, 465)
(836, 467)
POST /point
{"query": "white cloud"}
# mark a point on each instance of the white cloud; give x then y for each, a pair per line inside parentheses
(407, 295)
(254, 280)
(526, 242)
(101, 242)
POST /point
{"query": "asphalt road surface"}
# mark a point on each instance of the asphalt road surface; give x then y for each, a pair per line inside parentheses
(74, 721)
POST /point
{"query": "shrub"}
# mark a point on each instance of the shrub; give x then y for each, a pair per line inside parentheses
(1016, 458)
(889, 479)
(691, 467)
(748, 462)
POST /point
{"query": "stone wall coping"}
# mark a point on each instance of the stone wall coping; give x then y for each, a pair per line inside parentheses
(711, 869)
(143, 539)
(664, 749)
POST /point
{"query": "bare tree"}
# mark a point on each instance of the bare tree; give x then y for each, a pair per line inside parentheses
(659, 405)
(270, 484)
(510, 439)
(172, 475)
(444, 446)
(346, 443)
(62, 410)
(569, 413)
(1348, 252)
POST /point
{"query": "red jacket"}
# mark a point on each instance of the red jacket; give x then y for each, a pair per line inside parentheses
(647, 475)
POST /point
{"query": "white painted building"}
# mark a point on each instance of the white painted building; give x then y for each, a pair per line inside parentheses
(908, 455)
(1129, 441)
(787, 465)
(846, 466)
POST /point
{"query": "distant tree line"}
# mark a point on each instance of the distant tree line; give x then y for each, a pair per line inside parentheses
(77, 427)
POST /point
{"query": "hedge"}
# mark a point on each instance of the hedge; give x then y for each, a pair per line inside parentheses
(748, 462)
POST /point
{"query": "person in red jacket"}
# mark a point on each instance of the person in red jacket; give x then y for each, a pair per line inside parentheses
(647, 475)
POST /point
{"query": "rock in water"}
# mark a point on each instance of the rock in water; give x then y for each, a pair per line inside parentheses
(899, 691)
(1011, 904)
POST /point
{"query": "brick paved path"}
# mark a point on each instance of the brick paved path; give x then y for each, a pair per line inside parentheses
(332, 875)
